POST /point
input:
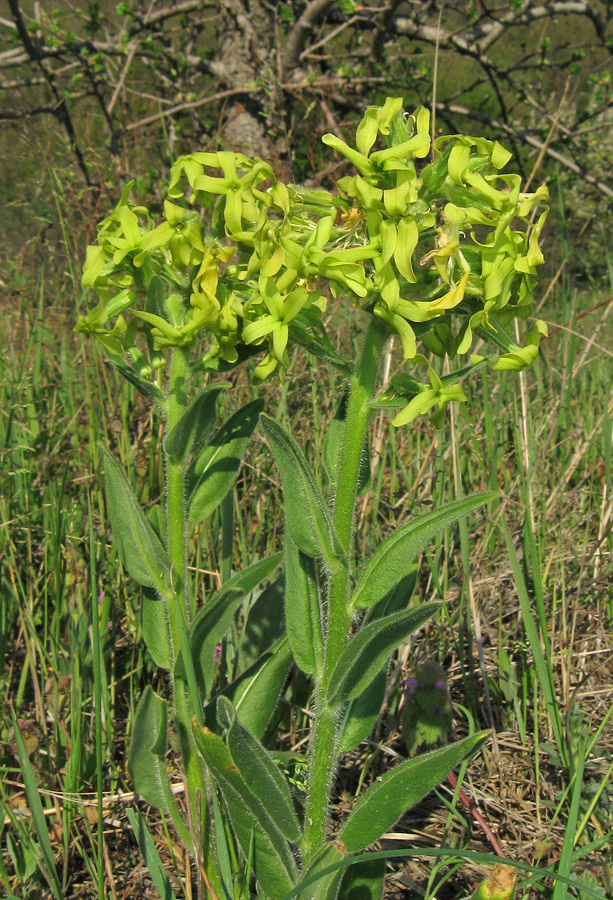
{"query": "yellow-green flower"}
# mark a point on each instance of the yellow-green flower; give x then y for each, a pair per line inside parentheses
(437, 396)
(281, 309)
(181, 233)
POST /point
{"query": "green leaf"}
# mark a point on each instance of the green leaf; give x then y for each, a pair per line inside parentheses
(255, 693)
(212, 623)
(303, 613)
(156, 630)
(332, 447)
(196, 424)
(323, 887)
(396, 791)
(364, 881)
(260, 772)
(367, 653)
(264, 624)
(308, 520)
(156, 297)
(195, 776)
(156, 516)
(307, 330)
(143, 386)
(139, 547)
(214, 471)
(361, 713)
(47, 863)
(23, 859)
(148, 749)
(394, 558)
(275, 869)
(147, 760)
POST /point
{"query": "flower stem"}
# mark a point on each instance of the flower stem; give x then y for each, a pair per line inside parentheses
(181, 612)
(324, 736)
(180, 603)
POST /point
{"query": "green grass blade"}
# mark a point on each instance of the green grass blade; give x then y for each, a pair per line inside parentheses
(154, 864)
(543, 671)
(38, 816)
(98, 681)
(566, 854)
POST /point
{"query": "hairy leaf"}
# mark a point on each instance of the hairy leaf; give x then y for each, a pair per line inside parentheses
(255, 693)
(396, 791)
(139, 547)
(214, 620)
(364, 881)
(367, 653)
(275, 868)
(156, 629)
(395, 557)
(260, 772)
(214, 471)
(308, 520)
(196, 424)
(303, 613)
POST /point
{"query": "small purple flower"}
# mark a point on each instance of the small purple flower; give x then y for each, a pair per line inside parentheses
(101, 597)
(440, 685)
(217, 654)
(411, 685)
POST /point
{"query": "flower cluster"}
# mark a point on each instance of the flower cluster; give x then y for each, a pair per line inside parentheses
(442, 252)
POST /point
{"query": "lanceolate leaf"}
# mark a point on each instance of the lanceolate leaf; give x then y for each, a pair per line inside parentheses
(394, 558)
(264, 625)
(156, 630)
(396, 791)
(364, 881)
(260, 772)
(214, 471)
(308, 520)
(196, 424)
(324, 887)
(303, 613)
(361, 713)
(214, 620)
(307, 330)
(146, 388)
(153, 863)
(332, 447)
(334, 444)
(255, 693)
(139, 547)
(36, 810)
(275, 868)
(367, 653)
(148, 750)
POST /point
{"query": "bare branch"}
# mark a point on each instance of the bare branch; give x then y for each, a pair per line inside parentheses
(25, 112)
(311, 16)
(194, 104)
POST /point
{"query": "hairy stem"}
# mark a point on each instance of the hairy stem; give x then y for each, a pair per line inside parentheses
(181, 612)
(324, 736)
(180, 604)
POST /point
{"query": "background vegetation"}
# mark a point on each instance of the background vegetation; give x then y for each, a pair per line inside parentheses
(95, 95)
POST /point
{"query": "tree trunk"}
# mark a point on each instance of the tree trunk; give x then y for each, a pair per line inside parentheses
(247, 50)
